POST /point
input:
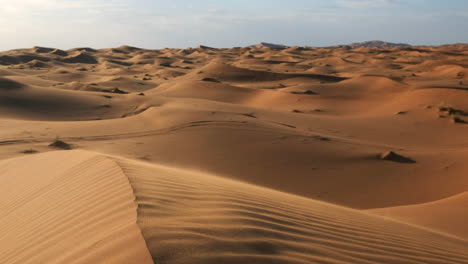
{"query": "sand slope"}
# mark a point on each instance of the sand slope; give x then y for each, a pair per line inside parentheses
(191, 217)
(311, 122)
(446, 215)
(80, 207)
(76, 207)
(320, 116)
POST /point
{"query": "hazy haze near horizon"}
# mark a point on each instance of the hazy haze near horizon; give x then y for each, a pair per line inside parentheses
(183, 23)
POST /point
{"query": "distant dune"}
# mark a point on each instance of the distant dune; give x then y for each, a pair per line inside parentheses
(364, 44)
(269, 45)
(377, 44)
(261, 154)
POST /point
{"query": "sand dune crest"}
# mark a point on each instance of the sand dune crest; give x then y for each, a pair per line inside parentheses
(188, 217)
(73, 207)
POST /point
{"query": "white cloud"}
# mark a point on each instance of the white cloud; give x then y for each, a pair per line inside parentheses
(365, 3)
(8, 7)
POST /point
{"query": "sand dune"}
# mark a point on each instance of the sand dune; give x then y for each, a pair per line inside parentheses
(224, 72)
(291, 134)
(198, 218)
(445, 215)
(73, 208)
(84, 210)
(7, 84)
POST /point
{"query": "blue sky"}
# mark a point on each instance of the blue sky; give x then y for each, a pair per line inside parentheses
(223, 23)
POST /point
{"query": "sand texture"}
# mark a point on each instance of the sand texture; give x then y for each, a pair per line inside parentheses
(243, 155)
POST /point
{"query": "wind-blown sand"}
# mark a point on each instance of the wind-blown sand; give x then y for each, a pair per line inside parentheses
(446, 215)
(68, 208)
(234, 155)
(84, 211)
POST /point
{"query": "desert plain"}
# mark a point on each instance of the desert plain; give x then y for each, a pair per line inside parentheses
(241, 155)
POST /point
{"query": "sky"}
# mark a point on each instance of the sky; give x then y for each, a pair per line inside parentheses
(227, 23)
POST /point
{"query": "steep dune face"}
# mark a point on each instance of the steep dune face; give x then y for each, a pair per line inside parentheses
(198, 218)
(74, 207)
(446, 215)
(21, 101)
(7, 84)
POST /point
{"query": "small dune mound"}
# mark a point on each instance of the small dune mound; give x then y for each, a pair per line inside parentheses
(199, 54)
(360, 86)
(80, 57)
(295, 49)
(168, 73)
(118, 91)
(7, 84)
(230, 73)
(448, 71)
(59, 52)
(114, 50)
(265, 45)
(201, 47)
(127, 48)
(37, 64)
(5, 72)
(458, 120)
(144, 56)
(446, 215)
(452, 111)
(8, 60)
(119, 62)
(163, 62)
(42, 50)
(24, 58)
(183, 52)
(207, 79)
(392, 156)
(308, 92)
(59, 144)
(20, 58)
(60, 70)
(29, 151)
(83, 49)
